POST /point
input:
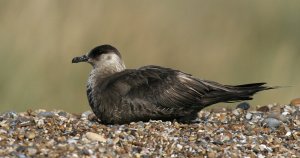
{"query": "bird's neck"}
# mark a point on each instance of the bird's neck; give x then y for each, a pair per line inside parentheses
(107, 65)
(108, 68)
(101, 72)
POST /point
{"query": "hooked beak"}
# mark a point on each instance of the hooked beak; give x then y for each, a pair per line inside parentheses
(83, 58)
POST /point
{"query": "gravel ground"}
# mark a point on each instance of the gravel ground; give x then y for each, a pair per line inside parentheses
(270, 131)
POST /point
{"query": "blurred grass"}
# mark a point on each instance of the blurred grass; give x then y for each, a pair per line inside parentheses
(232, 42)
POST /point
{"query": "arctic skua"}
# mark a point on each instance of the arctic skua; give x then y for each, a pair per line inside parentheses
(118, 95)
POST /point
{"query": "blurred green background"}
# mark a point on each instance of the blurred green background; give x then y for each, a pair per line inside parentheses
(232, 42)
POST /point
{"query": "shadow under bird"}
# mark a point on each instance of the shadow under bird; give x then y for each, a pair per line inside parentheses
(118, 95)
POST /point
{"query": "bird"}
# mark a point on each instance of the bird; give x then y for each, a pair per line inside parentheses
(118, 95)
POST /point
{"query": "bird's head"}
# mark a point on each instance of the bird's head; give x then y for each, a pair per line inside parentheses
(104, 56)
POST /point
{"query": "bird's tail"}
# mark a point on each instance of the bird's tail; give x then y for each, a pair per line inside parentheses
(227, 93)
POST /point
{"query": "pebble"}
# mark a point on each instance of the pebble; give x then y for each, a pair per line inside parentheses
(225, 133)
(295, 102)
(248, 116)
(31, 151)
(278, 116)
(289, 110)
(272, 123)
(236, 112)
(289, 133)
(95, 136)
(85, 115)
(179, 146)
(243, 106)
(46, 114)
(50, 143)
(62, 113)
(72, 141)
(21, 156)
(211, 154)
(10, 114)
(263, 109)
(262, 147)
(21, 148)
(40, 123)
(30, 135)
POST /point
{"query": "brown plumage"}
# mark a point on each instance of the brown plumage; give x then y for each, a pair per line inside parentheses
(118, 95)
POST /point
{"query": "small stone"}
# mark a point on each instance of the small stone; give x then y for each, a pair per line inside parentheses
(222, 117)
(179, 147)
(289, 110)
(243, 106)
(87, 152)
(50, 143)
(24, 122)
(72, 141)
(21, 136)
(2, 131)
(277, 116)
(275, 108)
(61, 139)
(263, 147)
(21, 156)
(10, 114)
(285, 113)
(248, 116)
(211, 154)
(272, 123)
(263, 109)
(288, 133)
(297, 122)
(85, 115)
(62, 146)
(30, 135)
(204, 114)
(192, 138)
(259, 155)
(46, 114)
(296, 135)
(62, 113)
(71, 148)
(101, 150)
(40, 123)
(137, 155)
(295, 102)
(21, 148)
(236, 112)
(116, 140)
(225, 138)
(92, 117)
(31, 151)
(95, 136)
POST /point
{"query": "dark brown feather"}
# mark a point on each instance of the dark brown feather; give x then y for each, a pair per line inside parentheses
(154, 92)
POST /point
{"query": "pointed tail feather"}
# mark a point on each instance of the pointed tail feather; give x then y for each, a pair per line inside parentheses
(230, 94)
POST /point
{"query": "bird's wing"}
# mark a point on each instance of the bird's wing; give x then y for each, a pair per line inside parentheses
(160, 86)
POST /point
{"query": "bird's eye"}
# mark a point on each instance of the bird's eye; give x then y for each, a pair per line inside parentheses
(108, 57)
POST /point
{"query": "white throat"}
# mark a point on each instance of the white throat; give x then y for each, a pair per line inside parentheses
(109, 62)
(104, 66)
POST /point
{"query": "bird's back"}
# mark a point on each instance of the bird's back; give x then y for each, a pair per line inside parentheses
(154, 92)
(119, 95)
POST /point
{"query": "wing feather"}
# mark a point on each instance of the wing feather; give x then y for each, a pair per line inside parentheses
(160, 86)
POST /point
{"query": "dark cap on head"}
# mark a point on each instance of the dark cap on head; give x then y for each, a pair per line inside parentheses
(103, 49)
(97, 51)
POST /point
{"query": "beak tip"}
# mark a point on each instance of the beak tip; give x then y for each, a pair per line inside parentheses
(83, 58)
(73, 61)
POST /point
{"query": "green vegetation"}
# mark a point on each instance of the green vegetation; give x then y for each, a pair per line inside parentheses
(232, 42)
